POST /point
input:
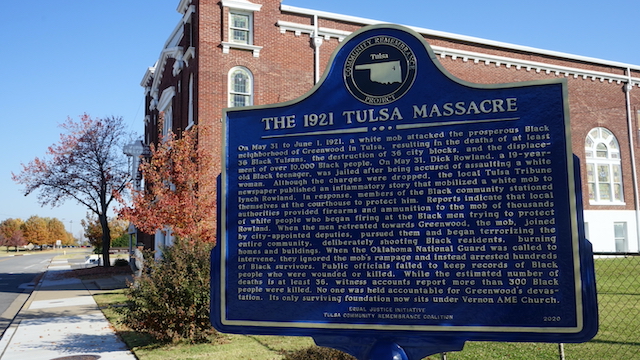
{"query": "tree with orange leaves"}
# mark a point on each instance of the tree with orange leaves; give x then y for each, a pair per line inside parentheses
(11, 233)
(178, 195)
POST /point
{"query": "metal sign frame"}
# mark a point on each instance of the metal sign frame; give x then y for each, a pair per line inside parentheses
(396, 201)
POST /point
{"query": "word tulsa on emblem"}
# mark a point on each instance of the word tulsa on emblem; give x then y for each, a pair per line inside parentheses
(380, 70)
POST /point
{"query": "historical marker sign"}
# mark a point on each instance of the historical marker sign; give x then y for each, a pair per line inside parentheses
(395, 199)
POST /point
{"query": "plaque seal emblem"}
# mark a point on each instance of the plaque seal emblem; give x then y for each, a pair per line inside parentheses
(380, 70)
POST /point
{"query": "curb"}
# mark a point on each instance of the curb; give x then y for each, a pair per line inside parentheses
(14, 309)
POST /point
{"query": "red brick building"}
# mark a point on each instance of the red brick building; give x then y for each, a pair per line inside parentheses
(228, 53)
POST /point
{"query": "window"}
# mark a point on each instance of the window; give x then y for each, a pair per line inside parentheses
(586, 230)
(191, 120)
(240, 28)
(165, 105)
(168, 121)
(604, 173)
(240, 87)
(620, 234)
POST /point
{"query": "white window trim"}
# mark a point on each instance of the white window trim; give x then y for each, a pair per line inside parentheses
(241, 5)
(248, 29)
(165, 105)
(165, 99)
(624, 238)
(246, 8)
(226, 46)
(167, 126)
(230, 91)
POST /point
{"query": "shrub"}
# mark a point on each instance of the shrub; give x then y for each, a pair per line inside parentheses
(170, 300)
(121, 241)
(121, 262)
(318, 353)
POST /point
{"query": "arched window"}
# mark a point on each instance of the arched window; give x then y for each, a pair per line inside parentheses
(604, 173)
(240, 87)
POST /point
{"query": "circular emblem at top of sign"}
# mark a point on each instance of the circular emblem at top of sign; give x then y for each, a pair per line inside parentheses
(380, 70)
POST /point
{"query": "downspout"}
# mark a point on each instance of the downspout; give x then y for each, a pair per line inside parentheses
(634, 169)
(317, 41)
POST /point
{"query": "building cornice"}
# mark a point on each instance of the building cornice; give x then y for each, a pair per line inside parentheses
(476, 57)
(299, 29)
(175, 52)
(186, 18)
(148, 78)
(176, 35)
(183, 6)
(153, 75)
(189, 54)
(463, 38)
(538, 67)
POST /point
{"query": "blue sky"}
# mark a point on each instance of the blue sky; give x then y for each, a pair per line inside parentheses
(63, 58)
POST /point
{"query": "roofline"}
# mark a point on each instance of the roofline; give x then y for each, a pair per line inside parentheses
(148, 76)
(183, 6)
(177, 32)
(447, 35)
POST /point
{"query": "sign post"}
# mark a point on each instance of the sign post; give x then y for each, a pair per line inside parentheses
(397, 207)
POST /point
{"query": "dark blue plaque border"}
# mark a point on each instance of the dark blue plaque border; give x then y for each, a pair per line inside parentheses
(329, 96)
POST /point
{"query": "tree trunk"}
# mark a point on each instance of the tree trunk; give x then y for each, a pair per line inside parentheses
(106, 239)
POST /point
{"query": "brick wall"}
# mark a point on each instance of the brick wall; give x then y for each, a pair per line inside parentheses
(284, 71)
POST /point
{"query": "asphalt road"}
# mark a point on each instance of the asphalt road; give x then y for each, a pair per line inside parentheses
(17, 274)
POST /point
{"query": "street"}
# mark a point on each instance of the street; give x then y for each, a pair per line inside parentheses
(16, 276)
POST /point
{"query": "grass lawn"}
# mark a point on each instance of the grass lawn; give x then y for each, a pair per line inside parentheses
(618, 281)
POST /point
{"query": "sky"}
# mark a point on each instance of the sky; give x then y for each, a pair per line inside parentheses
(64, 58)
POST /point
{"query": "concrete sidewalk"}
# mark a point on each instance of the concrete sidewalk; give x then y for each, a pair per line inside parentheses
(60, 320)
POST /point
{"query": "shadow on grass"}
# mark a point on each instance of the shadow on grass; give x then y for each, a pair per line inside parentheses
(596, 341)
(266, 345)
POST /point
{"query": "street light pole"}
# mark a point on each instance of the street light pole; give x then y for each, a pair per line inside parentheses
(135, 150)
